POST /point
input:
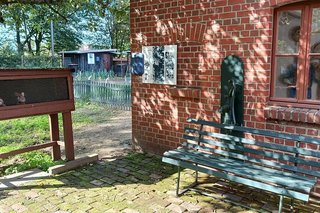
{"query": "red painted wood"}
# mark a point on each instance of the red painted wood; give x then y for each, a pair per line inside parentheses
(28, 149)
(68, 135)
(51, 108)
(303, 57)
(54, 136)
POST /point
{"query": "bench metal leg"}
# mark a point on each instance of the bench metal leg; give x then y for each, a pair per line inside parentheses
(280, 203)
(196, 181)
(178, 182)
(190, 187)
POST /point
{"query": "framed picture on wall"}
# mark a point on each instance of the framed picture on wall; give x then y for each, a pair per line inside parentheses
(160, 64)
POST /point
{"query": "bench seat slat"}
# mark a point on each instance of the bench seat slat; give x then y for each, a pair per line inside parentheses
(255, 160)
(254, 166)
(305, 139)
(241, 169)
(279, 147)
(269, 154)
(256, 184)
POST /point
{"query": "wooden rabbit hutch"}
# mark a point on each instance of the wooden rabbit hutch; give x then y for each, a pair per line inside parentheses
(30, 92)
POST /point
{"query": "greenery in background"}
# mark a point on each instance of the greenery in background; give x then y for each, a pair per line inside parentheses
(23, 132)
(113, 29)
(15, 61)
(25, 28)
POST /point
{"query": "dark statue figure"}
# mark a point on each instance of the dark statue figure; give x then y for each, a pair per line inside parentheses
(228, 108)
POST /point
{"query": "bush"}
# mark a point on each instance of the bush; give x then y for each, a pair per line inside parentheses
(30, 160)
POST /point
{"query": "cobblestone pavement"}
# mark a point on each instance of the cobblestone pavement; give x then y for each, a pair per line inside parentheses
(134, 183)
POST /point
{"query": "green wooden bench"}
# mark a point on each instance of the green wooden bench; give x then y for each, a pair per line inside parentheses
(290, 171)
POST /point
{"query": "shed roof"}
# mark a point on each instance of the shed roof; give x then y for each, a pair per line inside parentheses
(113, 51)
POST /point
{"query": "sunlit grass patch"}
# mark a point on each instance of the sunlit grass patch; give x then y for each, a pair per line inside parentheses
(24, 132)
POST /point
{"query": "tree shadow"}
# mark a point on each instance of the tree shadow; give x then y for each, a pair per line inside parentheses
(133, 168)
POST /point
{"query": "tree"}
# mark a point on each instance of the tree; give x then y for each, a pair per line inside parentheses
(66, 38)
(31, 24)
(113, 29)
(30, 20)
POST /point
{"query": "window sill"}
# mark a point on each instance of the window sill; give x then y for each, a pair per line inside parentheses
(292, 114)
(185, 92)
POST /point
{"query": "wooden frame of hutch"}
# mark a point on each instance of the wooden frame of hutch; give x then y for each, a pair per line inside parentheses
(43, 89)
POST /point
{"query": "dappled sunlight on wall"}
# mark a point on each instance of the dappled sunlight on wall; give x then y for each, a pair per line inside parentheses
(205, 33)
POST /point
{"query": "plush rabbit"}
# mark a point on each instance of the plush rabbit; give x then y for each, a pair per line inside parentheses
(2, 102)
(20, 97)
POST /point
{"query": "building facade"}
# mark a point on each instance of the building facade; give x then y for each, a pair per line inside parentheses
(277, 40)
(88, 60)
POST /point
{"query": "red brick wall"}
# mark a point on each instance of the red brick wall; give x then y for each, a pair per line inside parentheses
(205, 32)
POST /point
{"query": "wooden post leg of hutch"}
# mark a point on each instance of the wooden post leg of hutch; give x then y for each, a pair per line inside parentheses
(68, 135)
(54, 136)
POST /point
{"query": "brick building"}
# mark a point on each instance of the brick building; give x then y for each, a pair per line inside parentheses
(268, 35)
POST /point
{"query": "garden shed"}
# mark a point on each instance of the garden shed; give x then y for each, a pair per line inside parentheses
(87, 60)
(278, 42)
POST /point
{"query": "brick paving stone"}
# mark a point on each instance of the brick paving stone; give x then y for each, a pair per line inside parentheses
(79, 211)
(207, 210)
(130, 211)
(48, 206)
(175, 200)
(19, 208)
(108, 180)
(31, 195)
(60, 193)
(155, 176)
(112, 211)
(156, 208)
(269, 207)
(143, 184)
(222, 210)
(123, 170)
(190, 207)
(175, 208)
(96, 182)
(4, 208)
(232, 197)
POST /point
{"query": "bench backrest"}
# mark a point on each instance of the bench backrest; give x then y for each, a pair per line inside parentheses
(295, 153)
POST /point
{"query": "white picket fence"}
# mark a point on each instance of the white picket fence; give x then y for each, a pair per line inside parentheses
(115, 94)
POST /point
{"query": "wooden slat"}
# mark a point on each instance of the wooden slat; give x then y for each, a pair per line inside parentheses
(256, 160)
(277, 147)
(252, 166)
(28, 149)
(305, 139)
(256, 184)
(240, 169)
(268, 154)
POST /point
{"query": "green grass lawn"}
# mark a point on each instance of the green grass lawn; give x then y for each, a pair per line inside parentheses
(23, 132)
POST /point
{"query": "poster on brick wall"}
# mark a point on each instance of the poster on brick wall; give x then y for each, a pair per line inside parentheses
(160, 64)
(90, 58)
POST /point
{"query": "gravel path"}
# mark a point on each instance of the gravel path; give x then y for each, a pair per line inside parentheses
(107, 139)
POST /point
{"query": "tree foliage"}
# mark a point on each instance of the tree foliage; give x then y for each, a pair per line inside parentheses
(113, 29)
(105, 21)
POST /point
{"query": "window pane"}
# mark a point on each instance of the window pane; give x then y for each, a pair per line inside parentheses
(313, 91)
(315, 33)
(286, 73)
(289, 23)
